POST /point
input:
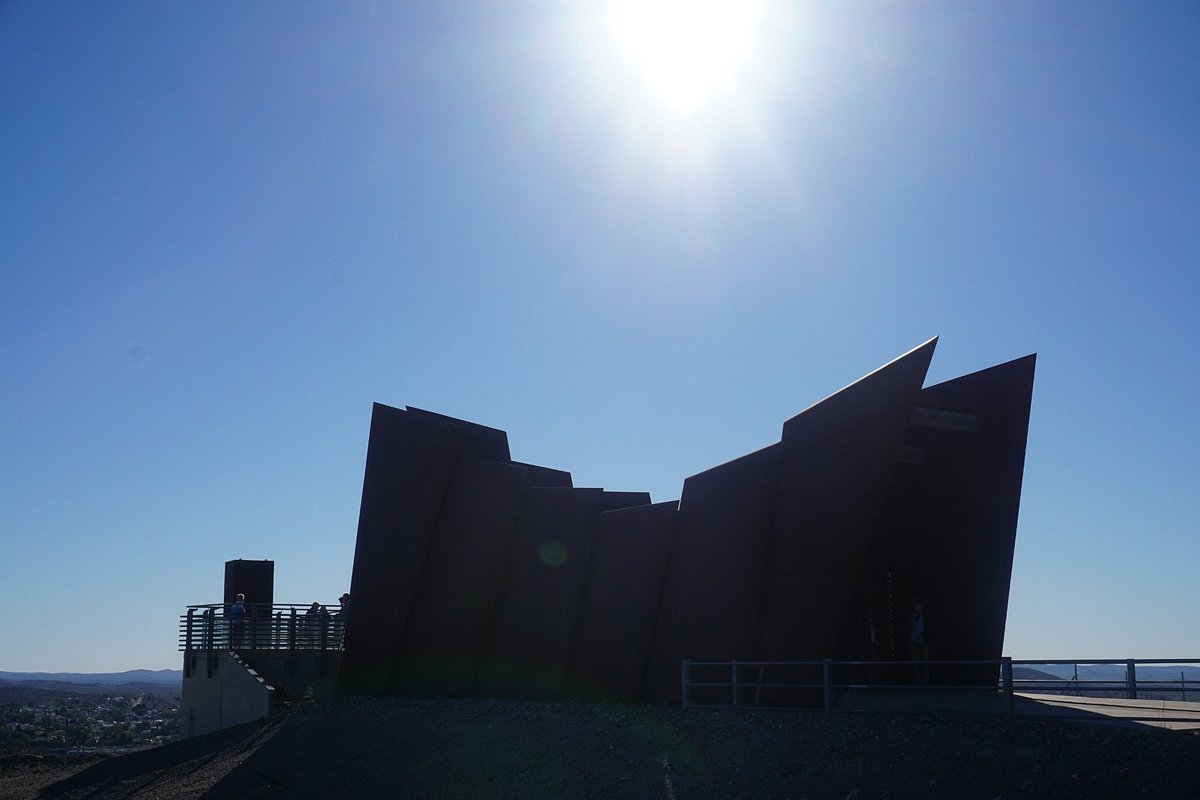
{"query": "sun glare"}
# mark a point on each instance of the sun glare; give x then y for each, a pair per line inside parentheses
(685, 53)
(675, 90)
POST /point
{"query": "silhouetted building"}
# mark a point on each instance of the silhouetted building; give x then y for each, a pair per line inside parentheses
(478, 575)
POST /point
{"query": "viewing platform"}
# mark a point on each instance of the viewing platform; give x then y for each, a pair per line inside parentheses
(236, 669)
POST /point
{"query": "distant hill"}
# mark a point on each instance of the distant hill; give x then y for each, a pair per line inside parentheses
(166, 678)
(1114, 672)
(25, 692)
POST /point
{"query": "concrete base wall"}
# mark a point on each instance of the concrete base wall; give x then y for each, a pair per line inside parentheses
(294, 673)
(221, 690)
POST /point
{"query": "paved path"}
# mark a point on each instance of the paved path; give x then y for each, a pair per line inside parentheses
(1171, 714)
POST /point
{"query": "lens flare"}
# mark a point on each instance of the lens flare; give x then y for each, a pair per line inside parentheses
(684, 52)
(552, 553)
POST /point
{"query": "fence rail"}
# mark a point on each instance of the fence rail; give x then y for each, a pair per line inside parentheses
(263, 627)
(975, 686)
(1129, 685)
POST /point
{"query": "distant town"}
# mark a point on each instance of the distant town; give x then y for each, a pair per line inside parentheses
(55, 717)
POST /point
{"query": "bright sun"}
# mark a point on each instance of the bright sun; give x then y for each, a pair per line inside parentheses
(685, 53)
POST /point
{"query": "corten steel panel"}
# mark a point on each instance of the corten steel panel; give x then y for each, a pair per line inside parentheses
(959, 509)
(409, 460)
(615, 500)
(478, 441)
(837, 460)
(545, 476)
(530, 635)
(611, 645)
(255, 579)
(947, 531)
(1000, 398)
(710, 593)
(459, 586)
(905, 557)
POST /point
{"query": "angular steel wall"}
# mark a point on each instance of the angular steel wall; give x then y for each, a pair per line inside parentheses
(614, 628)
(475, 574)
(714, 574)
(948, 529)
(459, 586)
(409, 462)
(837, 461)
(534, 614)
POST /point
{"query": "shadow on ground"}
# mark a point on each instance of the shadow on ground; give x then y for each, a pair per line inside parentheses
(370, 747)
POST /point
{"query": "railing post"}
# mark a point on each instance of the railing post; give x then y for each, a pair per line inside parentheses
(292, 631)
(735, 683)
(1131, 679)
(685, 684)
(253, 626)
(1006, 672)
(827, 682)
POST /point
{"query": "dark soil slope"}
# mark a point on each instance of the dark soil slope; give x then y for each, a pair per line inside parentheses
(358, 747)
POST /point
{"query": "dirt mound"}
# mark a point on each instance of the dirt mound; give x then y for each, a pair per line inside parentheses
(360, 747)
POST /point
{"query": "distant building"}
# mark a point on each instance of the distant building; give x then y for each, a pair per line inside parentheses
(475, 575)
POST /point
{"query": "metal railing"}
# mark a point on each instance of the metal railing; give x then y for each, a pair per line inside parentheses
(1128, 685)
(972, 687)
(263, 627)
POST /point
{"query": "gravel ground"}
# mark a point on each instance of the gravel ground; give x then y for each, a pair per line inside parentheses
(360, 747)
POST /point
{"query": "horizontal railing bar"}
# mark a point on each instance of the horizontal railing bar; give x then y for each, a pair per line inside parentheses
(695, 685)
(1087, 662)
(740, 663)
(204, 606)
(918, 687)
(743, 682)
(980, 662)
(263, 626)
(1100, 685)
(954, 687)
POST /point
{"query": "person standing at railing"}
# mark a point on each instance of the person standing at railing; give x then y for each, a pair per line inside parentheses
(325, 632)
(237, 621)
(312, 627)
(918, 645)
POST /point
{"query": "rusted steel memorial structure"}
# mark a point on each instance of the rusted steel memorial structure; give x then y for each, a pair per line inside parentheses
(478, 575)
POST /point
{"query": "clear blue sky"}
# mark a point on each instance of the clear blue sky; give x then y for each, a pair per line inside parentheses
(227, 228)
